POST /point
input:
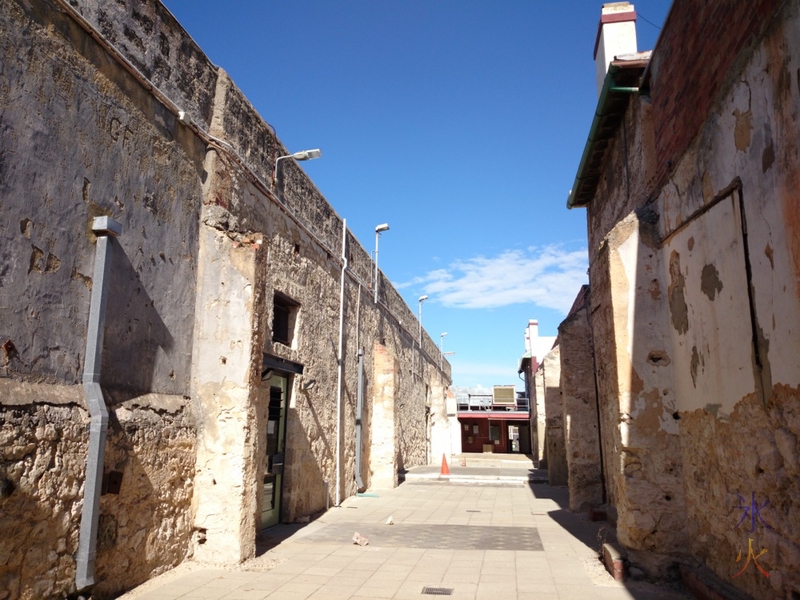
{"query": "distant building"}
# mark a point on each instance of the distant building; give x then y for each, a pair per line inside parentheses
(496, 420)
(536, 347)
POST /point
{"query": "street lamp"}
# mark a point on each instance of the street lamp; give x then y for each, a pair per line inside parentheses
(441, 348)
(380, 228)
(420, 301)
(299, 156)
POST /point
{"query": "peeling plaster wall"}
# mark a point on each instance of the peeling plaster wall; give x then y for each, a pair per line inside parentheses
(735, 315)
(646, 463)
(696, 307)
(223, 390)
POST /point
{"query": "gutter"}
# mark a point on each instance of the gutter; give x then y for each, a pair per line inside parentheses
(105, 228)
(601, 112)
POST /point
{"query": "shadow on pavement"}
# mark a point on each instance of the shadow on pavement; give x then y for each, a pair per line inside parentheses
(270, 538)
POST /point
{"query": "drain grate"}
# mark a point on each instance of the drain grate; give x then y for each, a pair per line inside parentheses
(437, 591)
(472, 510)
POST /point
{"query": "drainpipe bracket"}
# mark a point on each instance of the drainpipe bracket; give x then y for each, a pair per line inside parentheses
(106, 226)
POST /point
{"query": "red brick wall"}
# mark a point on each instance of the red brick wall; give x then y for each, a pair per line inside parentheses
(691, 65)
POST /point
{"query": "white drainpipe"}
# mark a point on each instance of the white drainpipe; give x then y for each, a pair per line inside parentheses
(341, 369)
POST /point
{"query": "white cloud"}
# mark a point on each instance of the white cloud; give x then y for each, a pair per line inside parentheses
(549, 277)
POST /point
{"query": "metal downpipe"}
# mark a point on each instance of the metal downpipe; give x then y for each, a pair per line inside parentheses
(359, 414)
(104, 228)
(340, 370)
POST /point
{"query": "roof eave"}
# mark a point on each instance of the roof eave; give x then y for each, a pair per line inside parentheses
(585, 183)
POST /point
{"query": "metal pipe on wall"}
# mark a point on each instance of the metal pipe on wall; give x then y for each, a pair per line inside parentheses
(359, 415)
(340, 359)
(104, 228)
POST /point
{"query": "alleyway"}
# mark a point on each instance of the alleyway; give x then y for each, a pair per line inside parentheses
(500, 540)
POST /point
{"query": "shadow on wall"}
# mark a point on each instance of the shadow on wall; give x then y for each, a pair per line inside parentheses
(145, 506)
(307, 447)
(602, 323)
(135, 336)
(34, 542)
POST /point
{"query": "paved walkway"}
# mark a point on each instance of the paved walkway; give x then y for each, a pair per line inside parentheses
(477, 541)
(483, 468)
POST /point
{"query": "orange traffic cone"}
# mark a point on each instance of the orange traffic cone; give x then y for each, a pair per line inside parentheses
(445, 469)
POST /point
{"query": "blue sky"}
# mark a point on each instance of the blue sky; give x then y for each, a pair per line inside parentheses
(459, 122)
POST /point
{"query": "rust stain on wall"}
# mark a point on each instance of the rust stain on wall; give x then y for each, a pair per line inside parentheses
(679, 312)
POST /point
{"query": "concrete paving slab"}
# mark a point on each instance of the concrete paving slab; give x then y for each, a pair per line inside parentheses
(515, 542)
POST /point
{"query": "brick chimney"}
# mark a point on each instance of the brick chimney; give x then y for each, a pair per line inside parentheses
(616, 35)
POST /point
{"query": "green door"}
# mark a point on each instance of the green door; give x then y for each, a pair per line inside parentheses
(276, 429)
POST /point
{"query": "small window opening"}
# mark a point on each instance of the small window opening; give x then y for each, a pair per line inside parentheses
(284, 319)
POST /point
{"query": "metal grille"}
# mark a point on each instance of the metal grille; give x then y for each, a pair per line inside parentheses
(437, 591)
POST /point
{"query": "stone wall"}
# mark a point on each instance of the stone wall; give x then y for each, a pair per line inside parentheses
(538, 426)
(91, 95)
(82, 140)
(734, 311)
(145, 521)
(694, 311)
(581, 435)
(554, 448)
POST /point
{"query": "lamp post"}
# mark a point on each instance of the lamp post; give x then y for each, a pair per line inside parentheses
(420, 301)
(380, 228)
(298, 156)
(441, 348)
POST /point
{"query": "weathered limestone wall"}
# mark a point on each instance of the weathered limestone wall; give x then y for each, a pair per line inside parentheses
(208, 238)
(651, 513)
(538, 425)
(223, 390)
(581, 435)
(81, 140)
(114, 153)
(555, 449)
(383, 458)
(695, 306)
(145, 524)
(628, 317)
(735, 312)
